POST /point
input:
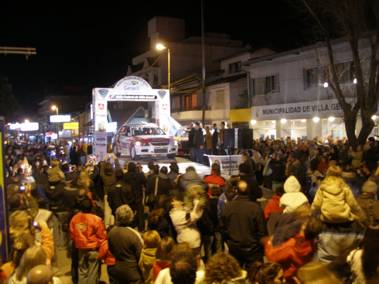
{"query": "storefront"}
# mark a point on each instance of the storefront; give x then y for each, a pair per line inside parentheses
(299, 120)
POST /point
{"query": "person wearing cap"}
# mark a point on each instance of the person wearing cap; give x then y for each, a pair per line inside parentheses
(368, 203)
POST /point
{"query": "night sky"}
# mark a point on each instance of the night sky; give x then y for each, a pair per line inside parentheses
(85, 44)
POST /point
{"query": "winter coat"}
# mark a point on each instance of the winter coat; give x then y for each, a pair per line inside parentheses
(242, 223)
(126, 245)
(198, 138)
(214, 179)
(119, 194)
(137, 181)
(278, 170)
(254, 190)
(146, 261)
(354, 259)
(291, 254)
(273, 206)
(293, 198)
(185, 224)
(88, 232)
(336, 202)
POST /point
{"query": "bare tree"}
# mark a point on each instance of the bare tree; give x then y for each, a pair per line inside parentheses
(357, 21)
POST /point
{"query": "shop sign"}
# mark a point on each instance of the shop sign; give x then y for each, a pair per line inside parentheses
(71, 125)
(60, 118)
(298, 110)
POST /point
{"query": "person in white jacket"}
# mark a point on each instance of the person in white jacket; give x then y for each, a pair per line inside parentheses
(184, 220)
(293, 198)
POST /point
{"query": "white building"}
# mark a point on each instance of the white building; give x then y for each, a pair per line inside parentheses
(291, 95)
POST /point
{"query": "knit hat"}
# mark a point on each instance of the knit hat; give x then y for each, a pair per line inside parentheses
(370, 187)
(292, 185)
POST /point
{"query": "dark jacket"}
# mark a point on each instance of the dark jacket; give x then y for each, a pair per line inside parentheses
(198, 138)
(242, 223)
(119, 194)
(136, 181)
(159, 190)
(215, 139)
(126, 247)
(191, 135)
(278, 168)
(254, 191)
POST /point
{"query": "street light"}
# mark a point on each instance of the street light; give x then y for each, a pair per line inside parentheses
(55, 108)
(160, 47)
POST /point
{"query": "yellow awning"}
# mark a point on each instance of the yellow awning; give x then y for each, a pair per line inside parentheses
(240, 115)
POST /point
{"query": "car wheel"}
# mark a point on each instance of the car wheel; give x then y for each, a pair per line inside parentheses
(133, 154)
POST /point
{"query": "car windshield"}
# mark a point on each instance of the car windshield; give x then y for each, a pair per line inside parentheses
(148, 131)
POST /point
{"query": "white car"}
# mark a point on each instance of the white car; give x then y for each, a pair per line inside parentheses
(144, 140)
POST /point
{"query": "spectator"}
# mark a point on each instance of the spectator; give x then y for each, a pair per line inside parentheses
(32, 257)
(42, 274)
(292, 244)
(185, 222)
(243, 226)
(159, 220)
(246, 173)
(215, 178)
(160, 189)
(368, 203)
(137, 182)
(55, 174)
(334, 199)
(278, 168)
(364, 261)
(221, 140)
(163, 256)
(293, 199)
(190, 177)
(273, 205)
(89, 237)
(266, 273)
(151, 241)
(223, 267)
(120, 193)
(174, 172)
(126, 245)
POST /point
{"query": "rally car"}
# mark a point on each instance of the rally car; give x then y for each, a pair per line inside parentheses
(144, 140)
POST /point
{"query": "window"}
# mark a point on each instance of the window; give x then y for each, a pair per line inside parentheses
(271, 84)
(311, 77)
(234, 67)
(265, 85)
(190, 102)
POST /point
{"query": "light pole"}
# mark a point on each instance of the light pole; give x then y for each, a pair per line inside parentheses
(160, 47)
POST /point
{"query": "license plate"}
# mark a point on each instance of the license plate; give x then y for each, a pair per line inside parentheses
(163, 150)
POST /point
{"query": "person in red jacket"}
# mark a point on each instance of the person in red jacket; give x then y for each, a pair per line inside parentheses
(215, 177)
(292, 244)
(272, 205)
(90, 239)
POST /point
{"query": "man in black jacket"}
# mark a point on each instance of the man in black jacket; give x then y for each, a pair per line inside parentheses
(120, 193)
(198, 143)
(243, 227)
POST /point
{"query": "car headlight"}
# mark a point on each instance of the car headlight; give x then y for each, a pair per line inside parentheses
(176, 143)
(138, 143)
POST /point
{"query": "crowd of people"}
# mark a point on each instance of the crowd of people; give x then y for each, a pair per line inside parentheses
(297, 212)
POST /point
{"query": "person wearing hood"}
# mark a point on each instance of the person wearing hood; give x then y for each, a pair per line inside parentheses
(335, 200)
(368, 203)
(188, 178)
(293, 199)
